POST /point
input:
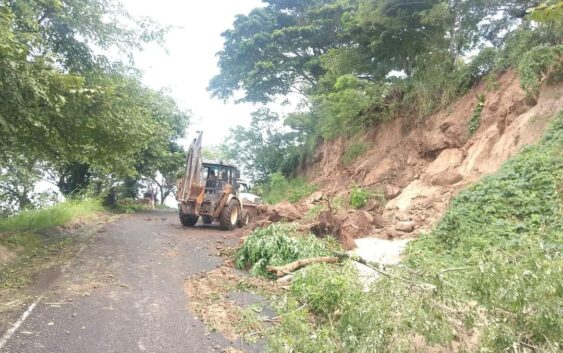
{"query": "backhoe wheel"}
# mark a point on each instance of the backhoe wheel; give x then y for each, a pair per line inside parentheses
(243, 219)
(188, 220)
(207, 219)
(229, 216)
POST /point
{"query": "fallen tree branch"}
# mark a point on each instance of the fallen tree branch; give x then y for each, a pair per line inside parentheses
(293, 266)
(280, 271)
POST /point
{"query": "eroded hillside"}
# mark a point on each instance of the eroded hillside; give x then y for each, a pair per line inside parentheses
(420, 166)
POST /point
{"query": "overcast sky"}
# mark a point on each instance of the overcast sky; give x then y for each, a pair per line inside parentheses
(190, 61)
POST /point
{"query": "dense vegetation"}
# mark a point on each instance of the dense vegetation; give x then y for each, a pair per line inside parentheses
(276, 245)
(349, 64)
(73, 116)
(486, 279)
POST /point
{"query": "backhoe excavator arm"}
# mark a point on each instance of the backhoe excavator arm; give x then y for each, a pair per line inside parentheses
(192, 175)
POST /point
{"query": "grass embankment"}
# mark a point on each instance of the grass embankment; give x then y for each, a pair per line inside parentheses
(25, 238)
(57, 215)
(488, 278)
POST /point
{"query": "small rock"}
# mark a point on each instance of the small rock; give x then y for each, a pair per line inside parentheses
(402, 217)
(392, 191)
(378, 221)
(447, 177)
(393, 234)
(284, 211)
(406, 227)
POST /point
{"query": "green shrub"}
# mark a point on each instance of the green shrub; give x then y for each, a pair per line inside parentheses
(521, 41)
(537, 63)
(476, 115)
(296, 332)
(351, 105)
(326, 288)
(279, 188)
(276, 245)
(50, 216)
(354, 151)
(359, 197)
(505, 234)
(482, 64)
(434, 86)
(128, 205)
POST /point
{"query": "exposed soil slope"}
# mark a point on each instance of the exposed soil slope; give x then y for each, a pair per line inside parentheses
(421, 165)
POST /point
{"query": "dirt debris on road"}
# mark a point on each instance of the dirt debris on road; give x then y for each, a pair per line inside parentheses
(209, 298)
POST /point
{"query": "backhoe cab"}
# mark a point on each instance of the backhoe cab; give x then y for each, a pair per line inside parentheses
(210, 190)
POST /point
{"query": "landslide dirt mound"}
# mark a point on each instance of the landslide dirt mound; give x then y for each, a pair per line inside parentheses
(419, 167)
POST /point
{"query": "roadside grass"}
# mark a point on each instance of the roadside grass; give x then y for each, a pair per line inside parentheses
(57, 215)
(128, 205)
(30, 240)
(32, 251)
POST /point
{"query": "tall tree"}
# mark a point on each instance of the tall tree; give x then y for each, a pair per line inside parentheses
(261, 149)
(276, 49)
(63, 104)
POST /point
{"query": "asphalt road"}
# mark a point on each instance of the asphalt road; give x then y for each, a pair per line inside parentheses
(123, 291)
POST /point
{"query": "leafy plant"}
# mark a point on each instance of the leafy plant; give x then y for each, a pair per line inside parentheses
(327, 288)
(314, 211)
(359, 197)
(537, 63)
(276, 245)
(476, 115)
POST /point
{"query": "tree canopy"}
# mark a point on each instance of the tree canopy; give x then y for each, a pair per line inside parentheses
(68, 108)
(357, 62)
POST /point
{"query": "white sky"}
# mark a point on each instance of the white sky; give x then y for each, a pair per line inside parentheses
(190, 61)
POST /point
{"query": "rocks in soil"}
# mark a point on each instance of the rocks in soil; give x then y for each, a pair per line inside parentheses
(377, 173)
(313, 198)
(392, 191)
(446, 177)
(402, 217)
(284, 211)
(393, 234)
(447, 159)
(406, 227)
(355, 225)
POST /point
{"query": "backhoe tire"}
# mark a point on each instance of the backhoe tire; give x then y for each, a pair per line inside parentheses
(229, 215)
(188, 220)
(207, 219)
(243, 219)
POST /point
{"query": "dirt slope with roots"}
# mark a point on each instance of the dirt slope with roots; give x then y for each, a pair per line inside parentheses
(420, 166)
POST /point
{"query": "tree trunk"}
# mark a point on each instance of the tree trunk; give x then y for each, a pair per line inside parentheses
(74, 178)
(291, 267)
